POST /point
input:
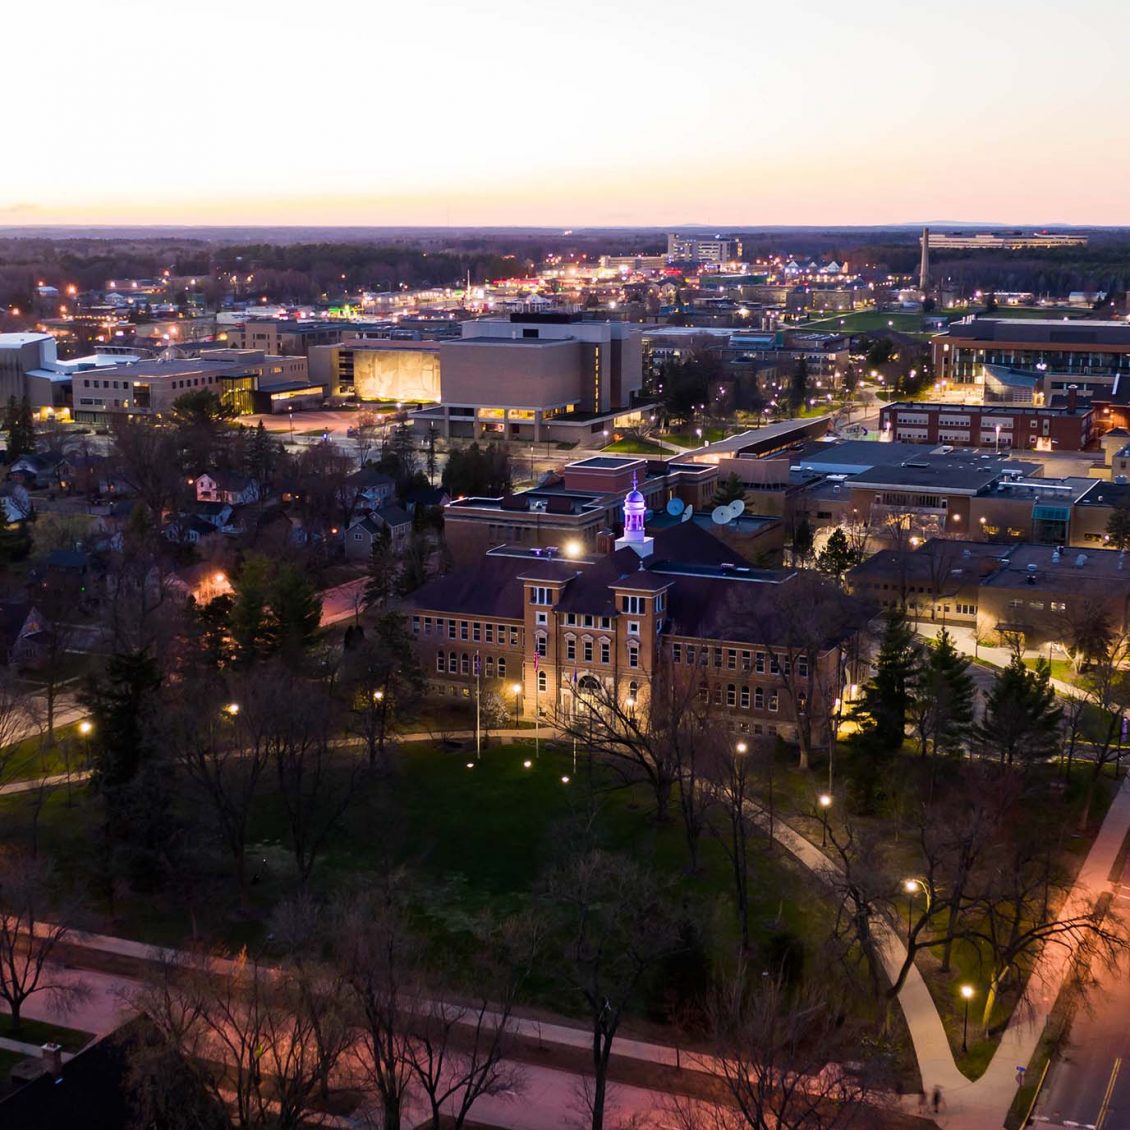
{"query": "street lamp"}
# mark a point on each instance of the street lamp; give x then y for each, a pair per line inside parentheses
(966, 996)
(232, 709)
(825, 804)
(86, 728)
(910, 886)
(516, 688)
(741, 747)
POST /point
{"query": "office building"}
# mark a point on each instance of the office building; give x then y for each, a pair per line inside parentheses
(1052, 354)
(1000, 241)
(1027, 428)
(702, 249)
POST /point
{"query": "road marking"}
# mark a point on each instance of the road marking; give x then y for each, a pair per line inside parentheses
(1104, 1110)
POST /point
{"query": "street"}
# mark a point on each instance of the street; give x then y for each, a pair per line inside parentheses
(1089, 1085)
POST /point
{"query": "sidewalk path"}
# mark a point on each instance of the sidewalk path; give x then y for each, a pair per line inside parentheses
(982, 1104)
(963, 640)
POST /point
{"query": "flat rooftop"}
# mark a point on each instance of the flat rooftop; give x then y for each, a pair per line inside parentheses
(1040, 331)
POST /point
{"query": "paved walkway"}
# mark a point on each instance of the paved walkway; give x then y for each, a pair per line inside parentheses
(998, 656)
(982, 1104)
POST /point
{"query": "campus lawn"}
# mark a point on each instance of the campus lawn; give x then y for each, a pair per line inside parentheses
(36, 756)
(862, 321)
(685, 439)
(631, 446)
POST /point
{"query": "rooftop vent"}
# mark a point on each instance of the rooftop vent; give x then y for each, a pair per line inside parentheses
(1031, 568)
(1080, 561)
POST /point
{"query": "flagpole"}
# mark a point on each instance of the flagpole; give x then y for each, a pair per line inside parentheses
(478, 708)
(537, 709)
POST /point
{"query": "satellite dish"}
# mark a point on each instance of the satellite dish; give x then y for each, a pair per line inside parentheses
(688, 514)
(675, 507)
(737, 508)
(720, 515)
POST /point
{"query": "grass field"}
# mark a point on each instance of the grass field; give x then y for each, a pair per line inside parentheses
(637, 447)
(38, 1032)
(861, 321)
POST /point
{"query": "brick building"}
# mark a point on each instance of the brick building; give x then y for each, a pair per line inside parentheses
(1027, 428)
(654, 610)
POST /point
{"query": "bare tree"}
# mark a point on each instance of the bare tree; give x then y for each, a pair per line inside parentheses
(33, 924)
(223, 746)
(776, 1061)
(16, 722)
(249, 1032)
(636, 741)
(614, 924)
(376, 953)
(146, 458)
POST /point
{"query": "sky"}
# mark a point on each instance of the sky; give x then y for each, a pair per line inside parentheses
(586, 113)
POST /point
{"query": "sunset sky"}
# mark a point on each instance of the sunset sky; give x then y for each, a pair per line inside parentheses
(592, 112)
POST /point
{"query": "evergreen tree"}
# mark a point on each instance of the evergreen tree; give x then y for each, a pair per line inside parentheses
(121, 702)
(20, 426)
(15, 542)
(414, 570)
(262, 457)
(731, 490)
(837, 556)
(802, 541)
(430, 457)
(798, 386)
(1021, 719)
(384, 571)
(887, 698)
(1118, 527)
(943, 706)
(296, 610)
(250, 622)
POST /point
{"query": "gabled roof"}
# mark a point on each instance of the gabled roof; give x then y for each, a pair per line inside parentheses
(392, 515)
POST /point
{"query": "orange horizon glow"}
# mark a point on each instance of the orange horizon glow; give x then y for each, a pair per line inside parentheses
(483, 113)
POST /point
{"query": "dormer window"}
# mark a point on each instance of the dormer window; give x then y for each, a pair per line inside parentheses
(539, 594)
(632, 604)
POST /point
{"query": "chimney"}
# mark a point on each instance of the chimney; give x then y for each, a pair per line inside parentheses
(605, 540)
(1072, 397)
(53, 1059)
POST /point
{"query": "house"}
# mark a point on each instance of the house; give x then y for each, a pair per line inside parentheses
(24, 634)
(218, 514)
(370, 489)
(15, 503)
(188, 529)
(226, 486)
(359, 537)
(38, 469)
(424, 497)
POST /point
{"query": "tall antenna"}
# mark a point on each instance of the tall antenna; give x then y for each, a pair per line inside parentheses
(924, 265)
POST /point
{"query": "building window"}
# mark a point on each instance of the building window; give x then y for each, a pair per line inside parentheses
(540, 595)
(541, 618)
(717, 657)
(731, 695)
(490, 633)
(774, 700)
(453, 664)
(465, 664)
(605, 651)
(513, 637)
(475, 631)
(451, 629)
(802, 666)
(746, 661)
(759, 662)
(759, 698)
(633, 627)
(633, 656)
(717, 694)
(587, 646)
(676, 653)
(441, 662)
(690, 654)
(415, 625)
(427, 625)
(632, 604)
(774, 666)
(660, 602)
(462, 629)
(501, 667)
(542, 682)
(745, 698)
(540, 644)
(731, 659)
(490, 667)
(634, 692)
(570, 648)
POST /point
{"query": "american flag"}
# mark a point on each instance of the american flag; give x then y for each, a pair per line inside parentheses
(535, 662)
(477, 664)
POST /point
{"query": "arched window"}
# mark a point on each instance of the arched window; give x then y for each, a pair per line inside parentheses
(540, 644)
(634, 691)
(731, 694)
(501, 667)
(490, 667)
(453, 663)
(542, 682)
(588, 684)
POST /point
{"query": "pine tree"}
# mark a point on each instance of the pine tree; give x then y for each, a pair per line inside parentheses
(296, 613)
(943, 705)
(802, 541)
(1118, 527)
(731, 490)
(798, 386)
(886, 701)
(20, 426)
(250, 625)
(384, 571)
(1021, 719)
(837, 556)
